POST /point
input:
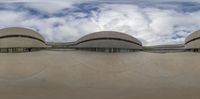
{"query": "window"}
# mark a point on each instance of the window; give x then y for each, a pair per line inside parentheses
(18, 50)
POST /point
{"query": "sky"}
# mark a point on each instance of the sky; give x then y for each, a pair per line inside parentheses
(153, 22)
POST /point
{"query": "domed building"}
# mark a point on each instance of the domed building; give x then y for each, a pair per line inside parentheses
(192, 42)
(108, 41)
(17, 39)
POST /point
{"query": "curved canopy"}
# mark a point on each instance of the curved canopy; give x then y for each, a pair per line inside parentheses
(108, 39)
(20, 31)
(14, 37)
(109, 34)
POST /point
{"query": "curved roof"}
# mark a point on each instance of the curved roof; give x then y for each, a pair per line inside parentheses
(194, 36)
(20, 32)
(109, 34)
(15, 37)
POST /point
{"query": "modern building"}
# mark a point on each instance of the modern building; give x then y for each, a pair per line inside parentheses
(108, 41)
(71, 74)
(59, 45)
(17, 39)
(192, 42)
(169, 48)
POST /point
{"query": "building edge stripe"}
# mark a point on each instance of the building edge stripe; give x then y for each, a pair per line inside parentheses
(24, 36)
(192, 40)
(106, 39)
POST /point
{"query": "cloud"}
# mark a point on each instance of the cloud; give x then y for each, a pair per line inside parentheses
(47, 6)
(134, 1)
(51, 7)
(9, 18)
(68, 21)
(151, 25)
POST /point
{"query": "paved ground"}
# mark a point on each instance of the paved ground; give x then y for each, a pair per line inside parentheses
(91, 75)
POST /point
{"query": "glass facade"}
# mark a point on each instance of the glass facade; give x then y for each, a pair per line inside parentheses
(18, 50)
(109, 50)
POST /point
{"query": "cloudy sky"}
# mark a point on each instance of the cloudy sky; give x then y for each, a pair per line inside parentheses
(152, 21)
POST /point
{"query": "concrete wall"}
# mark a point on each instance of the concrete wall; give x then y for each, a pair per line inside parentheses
(108, 44)
(21, 42)
(16, 37)
(108, 39)
(193, 41)
(20, 31)
(193, 45)
(109, 34)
